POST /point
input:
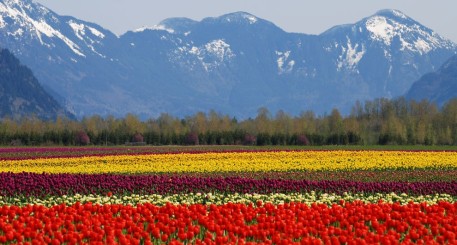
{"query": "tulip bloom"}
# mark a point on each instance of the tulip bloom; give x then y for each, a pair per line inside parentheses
(230, 223)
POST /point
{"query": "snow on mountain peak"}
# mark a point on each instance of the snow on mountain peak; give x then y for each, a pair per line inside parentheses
(155, 28)
(31, 20)
(239, 17)
(25, 6)
(399, 14)
(381, 29)
(78, 29)
(252, 19)
(179, 25)
(392, 13)
(220, 49)
(14, 10)
(209, 55)
(80, 32)
(96, 32)
(386, 25)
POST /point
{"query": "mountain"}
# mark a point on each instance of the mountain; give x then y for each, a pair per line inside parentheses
(21, 94)
(234, 64)
(382, 55)
(439, 86)
(64, 52)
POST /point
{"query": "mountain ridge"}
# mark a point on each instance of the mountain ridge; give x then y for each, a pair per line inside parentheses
(439, 86)
(234, 63)
(21, 95)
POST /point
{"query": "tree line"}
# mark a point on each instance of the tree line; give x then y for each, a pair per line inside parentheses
(380, 121)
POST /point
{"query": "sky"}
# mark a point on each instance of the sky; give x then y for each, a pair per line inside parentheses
(310, 17)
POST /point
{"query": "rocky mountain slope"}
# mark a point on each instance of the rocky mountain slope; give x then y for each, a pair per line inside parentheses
(234, 63)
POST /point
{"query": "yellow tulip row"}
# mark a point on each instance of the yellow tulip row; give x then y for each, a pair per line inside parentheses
(237, 162)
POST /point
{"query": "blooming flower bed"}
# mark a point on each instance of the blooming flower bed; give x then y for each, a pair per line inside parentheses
(231, 223)
(31, 184)
(22, 153)
(281, 161)
(224, 197)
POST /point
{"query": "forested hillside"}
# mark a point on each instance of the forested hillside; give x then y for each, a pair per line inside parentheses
(439, 86)
(20, 92)
(380, 121)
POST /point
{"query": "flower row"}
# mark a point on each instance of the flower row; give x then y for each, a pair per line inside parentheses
(387, 175)
(31, 184)
(349, 223)
(224, 198)
(237, 162)
(72, 152)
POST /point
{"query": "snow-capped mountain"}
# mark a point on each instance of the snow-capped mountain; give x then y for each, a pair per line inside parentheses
(31, 24)
(235, 63)
(382, 55)
(62, 51)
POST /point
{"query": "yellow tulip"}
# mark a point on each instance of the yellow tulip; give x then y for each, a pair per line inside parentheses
(237, 162)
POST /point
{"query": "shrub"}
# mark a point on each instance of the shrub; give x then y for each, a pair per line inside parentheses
(82, 138)
(138, 138)
(191, 139)
(16, 142)
(302, 140)
(249, 139)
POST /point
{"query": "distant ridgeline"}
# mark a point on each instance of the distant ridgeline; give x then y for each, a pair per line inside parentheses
(234, 63)
(439, 86)
(21, 94)
(381, 121)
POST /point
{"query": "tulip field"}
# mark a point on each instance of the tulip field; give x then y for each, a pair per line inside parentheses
(160, 195)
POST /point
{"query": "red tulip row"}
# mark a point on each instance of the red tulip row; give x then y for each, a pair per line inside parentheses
(289, 223)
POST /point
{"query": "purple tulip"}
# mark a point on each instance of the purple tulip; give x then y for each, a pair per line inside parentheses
(31, 184)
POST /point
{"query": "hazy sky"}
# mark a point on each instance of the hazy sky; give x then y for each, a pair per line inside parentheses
(311, 17)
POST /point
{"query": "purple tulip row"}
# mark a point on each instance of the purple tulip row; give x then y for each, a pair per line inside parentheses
(30, 184)
(52, 149)
(69, 152)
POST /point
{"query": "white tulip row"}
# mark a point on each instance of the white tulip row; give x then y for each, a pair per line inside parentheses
(224, 198)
